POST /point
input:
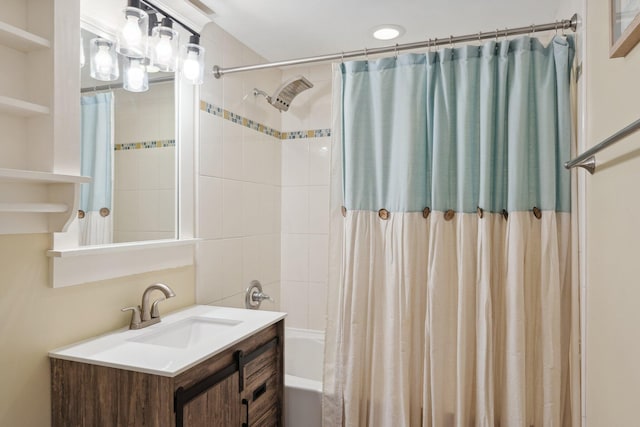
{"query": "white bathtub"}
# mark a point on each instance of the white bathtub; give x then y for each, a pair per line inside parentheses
(304, 354)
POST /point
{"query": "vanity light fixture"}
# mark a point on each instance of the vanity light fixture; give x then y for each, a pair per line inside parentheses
(147, 45)
(135, 77)
(164, 46)
(132, 35)
(104, 61)
(192, 61)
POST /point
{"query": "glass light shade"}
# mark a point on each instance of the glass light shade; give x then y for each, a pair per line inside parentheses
(192, 63)
(132, 35)
(134, 75)
(82, 58)
(164, 48)
(104, 60)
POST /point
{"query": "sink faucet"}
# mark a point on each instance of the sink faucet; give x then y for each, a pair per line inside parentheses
(146, 315)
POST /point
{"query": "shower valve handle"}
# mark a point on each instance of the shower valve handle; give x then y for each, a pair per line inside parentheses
(254, 295)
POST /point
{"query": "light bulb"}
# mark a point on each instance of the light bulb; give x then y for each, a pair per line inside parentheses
(131, 31)
(103, 61)
(191, 66)
(135, 77)
(164, 51)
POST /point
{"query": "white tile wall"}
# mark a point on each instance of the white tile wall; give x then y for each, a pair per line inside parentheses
(239, 196)
(144, 179)
(144, 194)
(263, 203)
(305, 202)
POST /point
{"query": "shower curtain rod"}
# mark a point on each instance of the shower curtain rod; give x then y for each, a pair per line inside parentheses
(565, 24)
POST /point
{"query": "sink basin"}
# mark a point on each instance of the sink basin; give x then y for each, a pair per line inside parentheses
(187, 333)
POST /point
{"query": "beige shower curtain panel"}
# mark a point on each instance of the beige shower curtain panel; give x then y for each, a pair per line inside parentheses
(463, 321)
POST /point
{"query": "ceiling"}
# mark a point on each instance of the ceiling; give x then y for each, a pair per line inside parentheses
(286, 29)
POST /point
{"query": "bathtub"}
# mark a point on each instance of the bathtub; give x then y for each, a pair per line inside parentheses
(304, 354)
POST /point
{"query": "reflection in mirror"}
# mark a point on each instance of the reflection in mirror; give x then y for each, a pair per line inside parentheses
(128, 147)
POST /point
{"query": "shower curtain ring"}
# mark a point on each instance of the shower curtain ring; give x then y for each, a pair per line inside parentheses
(496, 35)
(556, 27)
(396, 51)
(366, 54)
(342, 58)
(451, 42)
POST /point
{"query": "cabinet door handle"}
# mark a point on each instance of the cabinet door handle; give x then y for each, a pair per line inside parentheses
(259, 391)
(245, 402)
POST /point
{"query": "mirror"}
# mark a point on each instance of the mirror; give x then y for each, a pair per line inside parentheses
(128, 146)
(72, 263)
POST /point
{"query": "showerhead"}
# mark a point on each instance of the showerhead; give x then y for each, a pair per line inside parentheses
(283, 96)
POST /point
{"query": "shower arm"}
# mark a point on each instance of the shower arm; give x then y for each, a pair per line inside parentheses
(257, 92)
(564, 24)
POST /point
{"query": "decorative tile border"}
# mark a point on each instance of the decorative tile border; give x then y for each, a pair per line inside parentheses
(145, 144)
(259, 127)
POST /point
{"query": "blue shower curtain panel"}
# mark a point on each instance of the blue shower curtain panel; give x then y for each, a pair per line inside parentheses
(96, 151)
(478, 126)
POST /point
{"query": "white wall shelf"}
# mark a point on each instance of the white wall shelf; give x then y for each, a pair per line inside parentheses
(20, 175)
(19, 39)
(18, 107)
(37, 202)
(33, 207)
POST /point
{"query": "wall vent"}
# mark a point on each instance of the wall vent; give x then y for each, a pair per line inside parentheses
(202, 7)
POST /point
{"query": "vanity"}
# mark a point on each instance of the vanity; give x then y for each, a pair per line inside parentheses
(201, 366)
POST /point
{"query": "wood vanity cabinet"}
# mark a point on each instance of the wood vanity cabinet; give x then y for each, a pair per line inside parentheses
(241, 386)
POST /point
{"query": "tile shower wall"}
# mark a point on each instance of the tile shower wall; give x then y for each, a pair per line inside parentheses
(239, 180)
(144, 165)
(305, 202)
(263, 189)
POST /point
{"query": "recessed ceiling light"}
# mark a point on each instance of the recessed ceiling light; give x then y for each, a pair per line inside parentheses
(387, 32)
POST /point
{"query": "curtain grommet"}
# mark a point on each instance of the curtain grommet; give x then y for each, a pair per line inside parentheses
(104, 212)
(344, 211)
(537, 212)
(81, 213)
(505, 214)
(480, 212)
(448, 215)
(425, 212)
(383, 214)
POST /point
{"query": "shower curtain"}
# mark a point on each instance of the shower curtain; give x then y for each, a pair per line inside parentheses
(453, 303)
(96, 220)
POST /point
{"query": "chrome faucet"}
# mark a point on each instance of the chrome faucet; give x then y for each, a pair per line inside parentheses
(143, 316)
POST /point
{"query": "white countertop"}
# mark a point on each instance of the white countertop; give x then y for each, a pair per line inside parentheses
(135, 350)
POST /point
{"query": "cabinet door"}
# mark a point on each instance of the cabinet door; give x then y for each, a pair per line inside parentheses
(262, 392)
(218, 406)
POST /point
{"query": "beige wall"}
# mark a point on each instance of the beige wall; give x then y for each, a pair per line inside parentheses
(612, 348)
(35, 318)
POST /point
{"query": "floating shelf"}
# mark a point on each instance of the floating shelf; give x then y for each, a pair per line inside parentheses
(37, 202)
(20, 39)
(18, 107)
(20, 175)
(33, 207)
